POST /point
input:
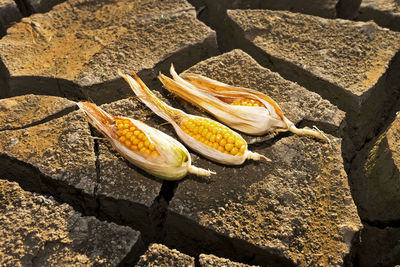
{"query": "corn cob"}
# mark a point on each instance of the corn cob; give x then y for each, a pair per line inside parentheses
(243, 109)
(142, 145)
(212, 139)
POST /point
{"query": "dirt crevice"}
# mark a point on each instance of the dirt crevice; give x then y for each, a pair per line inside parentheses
(382, 224)
(97, 164)
(44, 120)
(24, 7)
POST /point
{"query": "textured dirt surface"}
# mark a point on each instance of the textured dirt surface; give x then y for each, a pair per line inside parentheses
(316, 45)
(133, 183)
(298, 104)
(25, 110)
(324, 8)
(84, 43)
(60, 150)
(301, 197)
(355, 65)
(386, 13)
(382, 5)
(211, 260)
(38, 231)
(62, 157)
(160, 255)
(376, 177)
(125, 189)
(296, 210)
(297, 207)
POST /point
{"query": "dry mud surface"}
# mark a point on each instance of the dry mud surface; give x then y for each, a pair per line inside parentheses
(67, 197)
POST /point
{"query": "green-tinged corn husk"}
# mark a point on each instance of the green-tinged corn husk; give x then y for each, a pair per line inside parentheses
(217, 98)
(173, 161)
(177, 118)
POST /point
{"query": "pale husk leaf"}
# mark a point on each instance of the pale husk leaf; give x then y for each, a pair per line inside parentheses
(175, 117)
(174, 161)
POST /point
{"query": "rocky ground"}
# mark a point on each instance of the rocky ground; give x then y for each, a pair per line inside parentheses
(68, 198)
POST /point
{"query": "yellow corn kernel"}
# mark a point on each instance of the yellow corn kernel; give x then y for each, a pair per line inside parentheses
(213, 135)
(140, 145)
(234, 150)
(247, 102)
(133, 138)
(228, 147)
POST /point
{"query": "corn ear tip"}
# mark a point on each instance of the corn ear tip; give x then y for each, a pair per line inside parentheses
(323, 135)
(264, 157)
(200, 171)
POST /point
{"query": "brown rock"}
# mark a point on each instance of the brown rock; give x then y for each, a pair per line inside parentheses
(326, 8)
(8, 14)
(160, 255)
(211, 260)
(61, 157)
(36, 230)
(56, 156)
(76, 49)
(355, 65)
(376, 177)
(22, 111)
(296, 209)
(122, 182)
(379, 247)
(385, 13)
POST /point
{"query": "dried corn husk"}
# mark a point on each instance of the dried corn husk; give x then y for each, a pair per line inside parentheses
(172, 160)
(178, 119)
(217, 98)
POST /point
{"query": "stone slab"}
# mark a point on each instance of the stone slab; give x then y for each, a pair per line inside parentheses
(295, 210)
(122, 182)
(385, 13)
(62, 157)
(9, 13)
(160, 255)
(76, 49)
(379, 247)
(206, 260)
(376, 177)
(56, 156)
(326, 8)
(38, 231)
(355, 65)
(298, 104)
(25, 110)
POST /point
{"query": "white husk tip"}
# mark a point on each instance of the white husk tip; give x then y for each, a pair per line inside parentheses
(255, 156)
(317, 133)
(199, 171)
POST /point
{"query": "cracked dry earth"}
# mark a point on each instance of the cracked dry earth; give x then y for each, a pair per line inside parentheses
(68, 198)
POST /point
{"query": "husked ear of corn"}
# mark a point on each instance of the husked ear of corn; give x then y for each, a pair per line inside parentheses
(246, 110)
(209, 138)
(142, 145)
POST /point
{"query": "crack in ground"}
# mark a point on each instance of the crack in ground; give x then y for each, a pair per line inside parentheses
(24, 7)
(97, 164)
(382, 224)
(54, 116)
